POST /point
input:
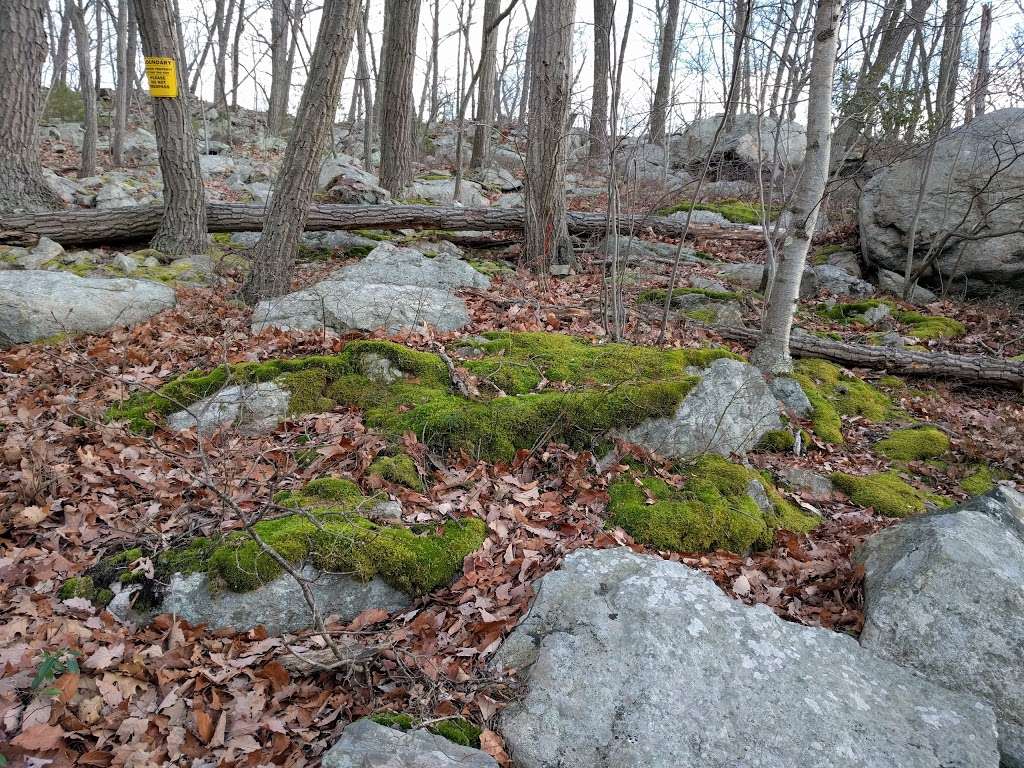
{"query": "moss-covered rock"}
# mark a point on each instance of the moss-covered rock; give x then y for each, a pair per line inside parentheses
(457, 730)
(776, 441)
(919, 325)
(714, 509)
(398, 469)
(657, 295)
(736, 211)
(834, 392)
(914, 444)
(588, 390)
(887, 493)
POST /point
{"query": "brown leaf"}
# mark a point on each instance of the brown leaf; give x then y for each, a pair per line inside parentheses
(276, 674)
(40, 738)
(492, 744)
(204, 724)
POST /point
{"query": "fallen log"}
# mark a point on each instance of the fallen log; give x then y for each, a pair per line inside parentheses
(90, 227)
(973, 369)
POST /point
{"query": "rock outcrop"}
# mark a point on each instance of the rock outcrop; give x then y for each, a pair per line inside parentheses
(630, 660)
(750, 141)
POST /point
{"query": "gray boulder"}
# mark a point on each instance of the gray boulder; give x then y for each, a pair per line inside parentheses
(365, 744)
(279, 606)
(973, 186)
(341, 180)
(36, 304)
(892, 282)
(748, 277)
(839, 282)
(498, 179)
(751, 141)
(250, 409)
(728, 412)
(944, 596)
(392, 288)
(115, 194)
(442, 192)
(632, 661)
(809, 484)
(792, 396)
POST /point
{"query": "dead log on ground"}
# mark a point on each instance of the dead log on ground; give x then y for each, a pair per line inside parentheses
(973, 369)
(90, 227)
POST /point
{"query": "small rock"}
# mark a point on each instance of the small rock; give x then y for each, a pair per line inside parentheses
(366, 744)
(810, 485)
(892, 282)
(379, 369)
(251, 409)
(125, 263)
(792, 395)
(839, 282)
(848, 261)
(877, 314)
(48, 249)
(708, 284)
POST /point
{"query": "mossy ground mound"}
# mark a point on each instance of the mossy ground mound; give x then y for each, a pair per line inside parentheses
(919, 325)
(914, 444)
(657, 295)
(713, 510)
(398, 469)
(457, 730)
(329, 534)
(736, 211)
(834, 393)
(887, 493)
(558, 388)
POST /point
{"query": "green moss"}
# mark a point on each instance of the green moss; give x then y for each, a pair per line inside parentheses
(457, 730)
(590, 390)
(914, 444)
(892, 382)
(436, 176)
(931, 327)
(1018, 358)
(887, 493)
(834, 393)
(821, 255)
(490, 267)
(702, 315)
(657, 295)
(375, 234)
(397, 469)
(736, 211)
(333, 537)
(981, 480)
(712, 510)
(849, 311)
(415, 200)
(77, 586)
(776, 441)
(65, 105)
(95, 584)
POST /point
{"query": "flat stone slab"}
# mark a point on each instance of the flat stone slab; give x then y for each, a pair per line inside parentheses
(366, 744)
(252, 409)
(632, 661)
(392, 288)
(944, 595)
(35, 304)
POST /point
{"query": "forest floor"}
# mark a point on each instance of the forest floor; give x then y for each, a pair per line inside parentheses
(77, 687)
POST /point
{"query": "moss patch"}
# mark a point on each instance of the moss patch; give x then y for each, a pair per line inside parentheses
(833, 393)
(457, 730)
(713, 510)
(887, 493)
(397, 469)
(981, 480)
(914, 444)
(931, 327)
(657, 295)
(736, 211)
(776, 441)
(588, 390)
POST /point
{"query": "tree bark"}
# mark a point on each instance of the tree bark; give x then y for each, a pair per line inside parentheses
(981, 78)
(280, 77)
(22, 53)
(274, 256)
(236, 45)
(182, 228)
(741, 24)
(488, 74)
(86, 88)
(949, 63)
(547, 233)
(394, 93)
(772, 352)
(666, 58)
(91, 226)
(122, 88)
(973, 369)
(602, 70)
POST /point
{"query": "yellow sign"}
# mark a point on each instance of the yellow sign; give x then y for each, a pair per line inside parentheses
(162, 75)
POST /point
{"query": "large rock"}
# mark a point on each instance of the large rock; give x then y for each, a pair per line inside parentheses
(442, 192)
(392, 288)
(630, 661)
(973, 187)
(279, 606)
(945, 597)
(728, 412)
(365, 744)
(839, 282)
(751, 141)
(37, 304)
(251, 409)
(341, 180)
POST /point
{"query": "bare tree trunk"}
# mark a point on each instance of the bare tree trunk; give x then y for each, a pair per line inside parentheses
(280, 77)
(220, 70)
(488, 75)
(123, 86)
(949, 63)
(60, 59)
(524, 98)
(85, 87)
(366, 86)
(274, 256)
(97, 78)
(981, 78)
(547, 234)
(741, 23)
(394, 93)
(132, 51)
(666, 59)
(602, 69)
(23, 32)
(183, 226)
(435, 44)
(236, 45)
(772, 352)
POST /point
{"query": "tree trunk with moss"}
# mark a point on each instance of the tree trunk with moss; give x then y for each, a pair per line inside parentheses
(22, 53)
(547, 234)
(274, 256)
(772, 352)
(183, 226)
